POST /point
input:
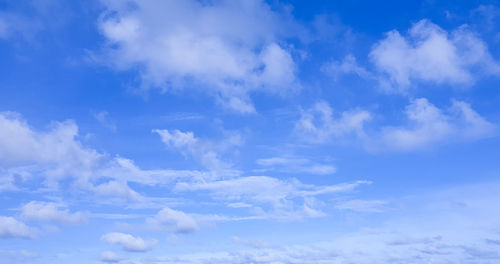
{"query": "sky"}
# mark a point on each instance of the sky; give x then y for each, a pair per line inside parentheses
(249, 131)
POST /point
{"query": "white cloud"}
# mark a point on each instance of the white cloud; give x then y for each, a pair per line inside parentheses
(296, 165)
(14, 256)
(426, 126)
(104, 119)
(430, 125)
(173, 220)
(129, 242)
(270, 197)
(366, 206)
(424, 230)
(318, 124)
(11, 228)
(57, 155)
(204, 151)
(347, 66)
(110, 257)
(231, 48)
(430, 54)
(46, 211)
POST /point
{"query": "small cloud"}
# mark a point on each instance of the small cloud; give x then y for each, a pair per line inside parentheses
(51, 212)
(110, 257)
(11, 228)
(129, 242)
(173, 220)
(363, 206)
(296, 165)
(104, 119)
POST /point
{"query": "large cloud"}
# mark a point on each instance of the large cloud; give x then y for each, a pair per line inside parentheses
(227, 47)
(57, 156)
(430, 54)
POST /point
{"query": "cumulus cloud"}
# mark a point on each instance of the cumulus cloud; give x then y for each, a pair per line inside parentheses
(430, 54)
(230, 47)
(129, 242)
(110, 257)
(429, 125)
(173, 220)
(11, 228)
(51, 212)
(57, 156)
(318, 124)
(426, 126)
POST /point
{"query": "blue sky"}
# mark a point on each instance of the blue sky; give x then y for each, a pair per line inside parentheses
(154, 132)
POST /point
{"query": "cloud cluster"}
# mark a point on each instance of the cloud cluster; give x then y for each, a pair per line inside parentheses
(426, 126)
(56, 155)
(429, 125)
(230, 47)
(424, 230)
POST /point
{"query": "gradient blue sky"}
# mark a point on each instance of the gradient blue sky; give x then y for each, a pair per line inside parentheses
(154, 132)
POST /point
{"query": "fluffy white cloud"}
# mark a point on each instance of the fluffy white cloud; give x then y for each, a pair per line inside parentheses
(173, 220)
(11, 228)
(229, 47)
(129, 242)
(46, 211)
(430, 54)
(426, 126)
(21, 146)
(110, 257)
(318, 124)
(57, 155)
(430, 125)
